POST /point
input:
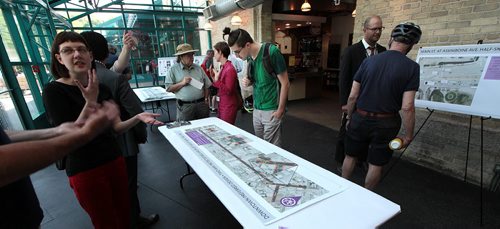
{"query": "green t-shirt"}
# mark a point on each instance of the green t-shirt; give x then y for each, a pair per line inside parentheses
(266, 87)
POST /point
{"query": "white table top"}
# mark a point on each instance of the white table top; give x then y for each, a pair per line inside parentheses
(355, 207)
(151, 94)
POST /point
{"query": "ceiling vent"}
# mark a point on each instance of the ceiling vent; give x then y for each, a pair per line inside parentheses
(224, 8)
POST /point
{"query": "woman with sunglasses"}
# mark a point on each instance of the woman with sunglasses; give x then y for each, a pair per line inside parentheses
(96, 170)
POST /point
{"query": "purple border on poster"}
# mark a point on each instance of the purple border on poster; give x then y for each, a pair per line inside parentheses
(493, 71)
(198, 137)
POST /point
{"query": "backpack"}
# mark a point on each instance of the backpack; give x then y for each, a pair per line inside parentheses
(266, 60)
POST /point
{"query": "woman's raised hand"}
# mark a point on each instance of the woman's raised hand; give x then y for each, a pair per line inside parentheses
(91, 90)
(215, 73)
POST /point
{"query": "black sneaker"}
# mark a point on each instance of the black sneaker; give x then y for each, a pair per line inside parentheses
(248, 105)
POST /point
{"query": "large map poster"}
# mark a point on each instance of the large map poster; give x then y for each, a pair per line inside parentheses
(269, 183)
(462, 79)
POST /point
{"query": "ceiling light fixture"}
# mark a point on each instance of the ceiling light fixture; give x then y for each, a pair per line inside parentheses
(354, 13)
(306, 7)
(208, 26)
(236, 20)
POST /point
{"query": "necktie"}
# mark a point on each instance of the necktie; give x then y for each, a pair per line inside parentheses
(372, 51)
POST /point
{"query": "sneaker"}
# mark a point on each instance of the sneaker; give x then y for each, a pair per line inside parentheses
(249, 109)
(248, 106)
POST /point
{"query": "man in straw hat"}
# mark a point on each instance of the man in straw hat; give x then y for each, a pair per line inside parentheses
(190, 84)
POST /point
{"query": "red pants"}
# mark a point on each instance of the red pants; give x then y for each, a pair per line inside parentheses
(103, 194)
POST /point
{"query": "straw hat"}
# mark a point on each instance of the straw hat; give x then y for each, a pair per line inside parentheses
(184, 48)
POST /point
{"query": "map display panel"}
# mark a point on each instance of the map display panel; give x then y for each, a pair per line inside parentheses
(165, 63)
(153, 93)
(266, 181)
(460, 79)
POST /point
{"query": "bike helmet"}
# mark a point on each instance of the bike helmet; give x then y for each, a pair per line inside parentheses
(407, 33)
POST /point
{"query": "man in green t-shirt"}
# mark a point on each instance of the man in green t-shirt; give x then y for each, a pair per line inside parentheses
(270, 92)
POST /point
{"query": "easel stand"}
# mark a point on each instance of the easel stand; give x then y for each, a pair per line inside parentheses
(466, 160)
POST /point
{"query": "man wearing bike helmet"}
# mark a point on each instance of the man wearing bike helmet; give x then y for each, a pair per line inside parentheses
(384, 84)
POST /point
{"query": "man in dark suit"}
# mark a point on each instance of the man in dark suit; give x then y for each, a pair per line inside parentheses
(130, 105)
(351, 60)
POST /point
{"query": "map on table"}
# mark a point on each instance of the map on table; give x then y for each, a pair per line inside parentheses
(267, 182)
(153, 93)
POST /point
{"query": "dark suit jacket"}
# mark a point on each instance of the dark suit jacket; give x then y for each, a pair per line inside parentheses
(129, 104)
(351, 60)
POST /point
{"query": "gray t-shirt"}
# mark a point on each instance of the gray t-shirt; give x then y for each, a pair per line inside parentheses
(188, 92)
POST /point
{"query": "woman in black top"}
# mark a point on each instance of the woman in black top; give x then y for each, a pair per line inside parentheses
(96, 171)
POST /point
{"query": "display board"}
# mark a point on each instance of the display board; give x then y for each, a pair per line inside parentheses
(461, 79)
(165, 63)
(146, 94)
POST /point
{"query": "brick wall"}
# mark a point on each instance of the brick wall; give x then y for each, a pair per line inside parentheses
(247, 16)
(263, 15)
(442, 143)
(443, 22)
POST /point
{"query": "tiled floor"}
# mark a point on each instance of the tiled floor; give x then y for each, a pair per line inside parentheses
(427, 198)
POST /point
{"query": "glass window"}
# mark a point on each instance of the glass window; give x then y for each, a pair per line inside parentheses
(140, 21)
(106, 20)
(178, 5)
(77, 4)
(40, 44)
(9, 118)
(28, 97)
(170, 40)
(7, 40)
(23, 41)
(80, 22)
(194, 5)
(138, 4)
(169, 22)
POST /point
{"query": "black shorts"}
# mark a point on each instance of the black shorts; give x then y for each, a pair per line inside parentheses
(371, 135)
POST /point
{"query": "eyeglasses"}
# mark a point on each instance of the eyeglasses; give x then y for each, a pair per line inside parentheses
(237, 39)
(379, 29)
(70, 51)
(238, 51)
